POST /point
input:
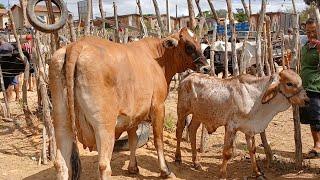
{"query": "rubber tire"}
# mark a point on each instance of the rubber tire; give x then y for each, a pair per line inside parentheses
(143, 132)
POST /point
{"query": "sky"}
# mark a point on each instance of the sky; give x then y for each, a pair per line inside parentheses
(130, 7)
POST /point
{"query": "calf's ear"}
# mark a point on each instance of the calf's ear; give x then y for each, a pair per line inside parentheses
(271, 92)
(170, 42)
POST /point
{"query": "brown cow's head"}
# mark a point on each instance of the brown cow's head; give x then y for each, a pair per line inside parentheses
(289, 85)
(187, 52)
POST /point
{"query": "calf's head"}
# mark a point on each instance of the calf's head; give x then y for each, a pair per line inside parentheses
(186, 50)
(289, 84)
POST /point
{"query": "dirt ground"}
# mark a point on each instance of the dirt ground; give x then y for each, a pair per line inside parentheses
(20, 148)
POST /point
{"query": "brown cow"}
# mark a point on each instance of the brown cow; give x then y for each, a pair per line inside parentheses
(101, 89)
(244, 103)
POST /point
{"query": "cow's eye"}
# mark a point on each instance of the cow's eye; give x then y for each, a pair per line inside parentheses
(289, 84)
(189, 49)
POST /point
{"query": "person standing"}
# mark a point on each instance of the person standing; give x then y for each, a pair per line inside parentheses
(27, 46)
(310, 75)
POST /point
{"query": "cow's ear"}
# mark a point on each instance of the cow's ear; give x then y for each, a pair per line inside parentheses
(271, 92)
(170, 42)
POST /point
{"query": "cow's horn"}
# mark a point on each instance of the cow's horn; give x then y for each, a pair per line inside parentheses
(48, 28)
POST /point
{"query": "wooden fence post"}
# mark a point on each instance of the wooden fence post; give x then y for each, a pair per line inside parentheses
(103, 17)
(116, 34)
(215, 15)
(168, 16)
(6, 111)
(214, 36)
(192, 19)
(46, 115)
(226, 72)
(54, 37)
(293, 65)
(156, 8)
(246, 9)
(270, 49)
(235, 65)
(71, 29)
(26, 109)
(88, 18)
(144, 32)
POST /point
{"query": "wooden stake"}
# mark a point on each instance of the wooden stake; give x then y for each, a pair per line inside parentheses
(71, 29)
(156, 8)
(116, 34)
(265, 50)
(235, 65)
(215, 15)
(144, 31)
(226, 72)
(46, 115)
(214, 36)
(6, 108)
(248, 12)
(293, 65)
(54, 36)
(258, 41)
(87, 22)
(103, 17)
(192, 19)
(26, 109)
(270, 48)
(44, 146)
(168, 17)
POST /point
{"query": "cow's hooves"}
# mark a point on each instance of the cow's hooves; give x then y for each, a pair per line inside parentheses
(197, 166)
(133, 170)
(167, 175)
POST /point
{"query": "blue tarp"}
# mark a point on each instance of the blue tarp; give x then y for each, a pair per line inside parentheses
(243, 26)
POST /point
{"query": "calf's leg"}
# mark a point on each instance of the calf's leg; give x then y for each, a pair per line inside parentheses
(227, 150)
(252, 150)
(179, 131)
(193, 135)
(157, 122)
(132, 136)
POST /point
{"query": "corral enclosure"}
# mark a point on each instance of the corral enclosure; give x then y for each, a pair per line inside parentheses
(27, 134)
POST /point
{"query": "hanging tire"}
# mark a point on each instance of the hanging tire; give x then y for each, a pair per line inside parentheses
(48, 28)
(143, 132)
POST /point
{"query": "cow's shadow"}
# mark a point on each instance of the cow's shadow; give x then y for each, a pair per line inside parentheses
(236, 169)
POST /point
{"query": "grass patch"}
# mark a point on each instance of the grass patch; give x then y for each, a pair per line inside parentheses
(169, 123)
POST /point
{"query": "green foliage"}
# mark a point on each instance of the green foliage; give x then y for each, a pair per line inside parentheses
(310, 2)
(169, 123)
(2, 6)
(240, 16)
(305, 13)
(221, 13)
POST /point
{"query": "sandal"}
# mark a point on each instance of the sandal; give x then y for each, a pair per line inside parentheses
(313, 154)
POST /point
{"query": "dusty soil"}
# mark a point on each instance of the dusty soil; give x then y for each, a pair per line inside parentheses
(21, 146)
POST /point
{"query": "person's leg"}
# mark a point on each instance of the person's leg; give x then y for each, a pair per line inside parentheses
(9, 92)
(315, 131)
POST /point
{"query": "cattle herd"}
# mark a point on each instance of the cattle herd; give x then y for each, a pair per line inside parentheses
(101, 89)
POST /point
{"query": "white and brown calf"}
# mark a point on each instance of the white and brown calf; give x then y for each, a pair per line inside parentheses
(244, 103)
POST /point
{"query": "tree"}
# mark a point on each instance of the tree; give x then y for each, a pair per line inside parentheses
(240, 16)
(305, 14)
(222, 13)
(309, 2)
(2, 6)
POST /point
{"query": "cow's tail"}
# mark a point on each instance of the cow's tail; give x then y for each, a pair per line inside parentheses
(71, 60)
